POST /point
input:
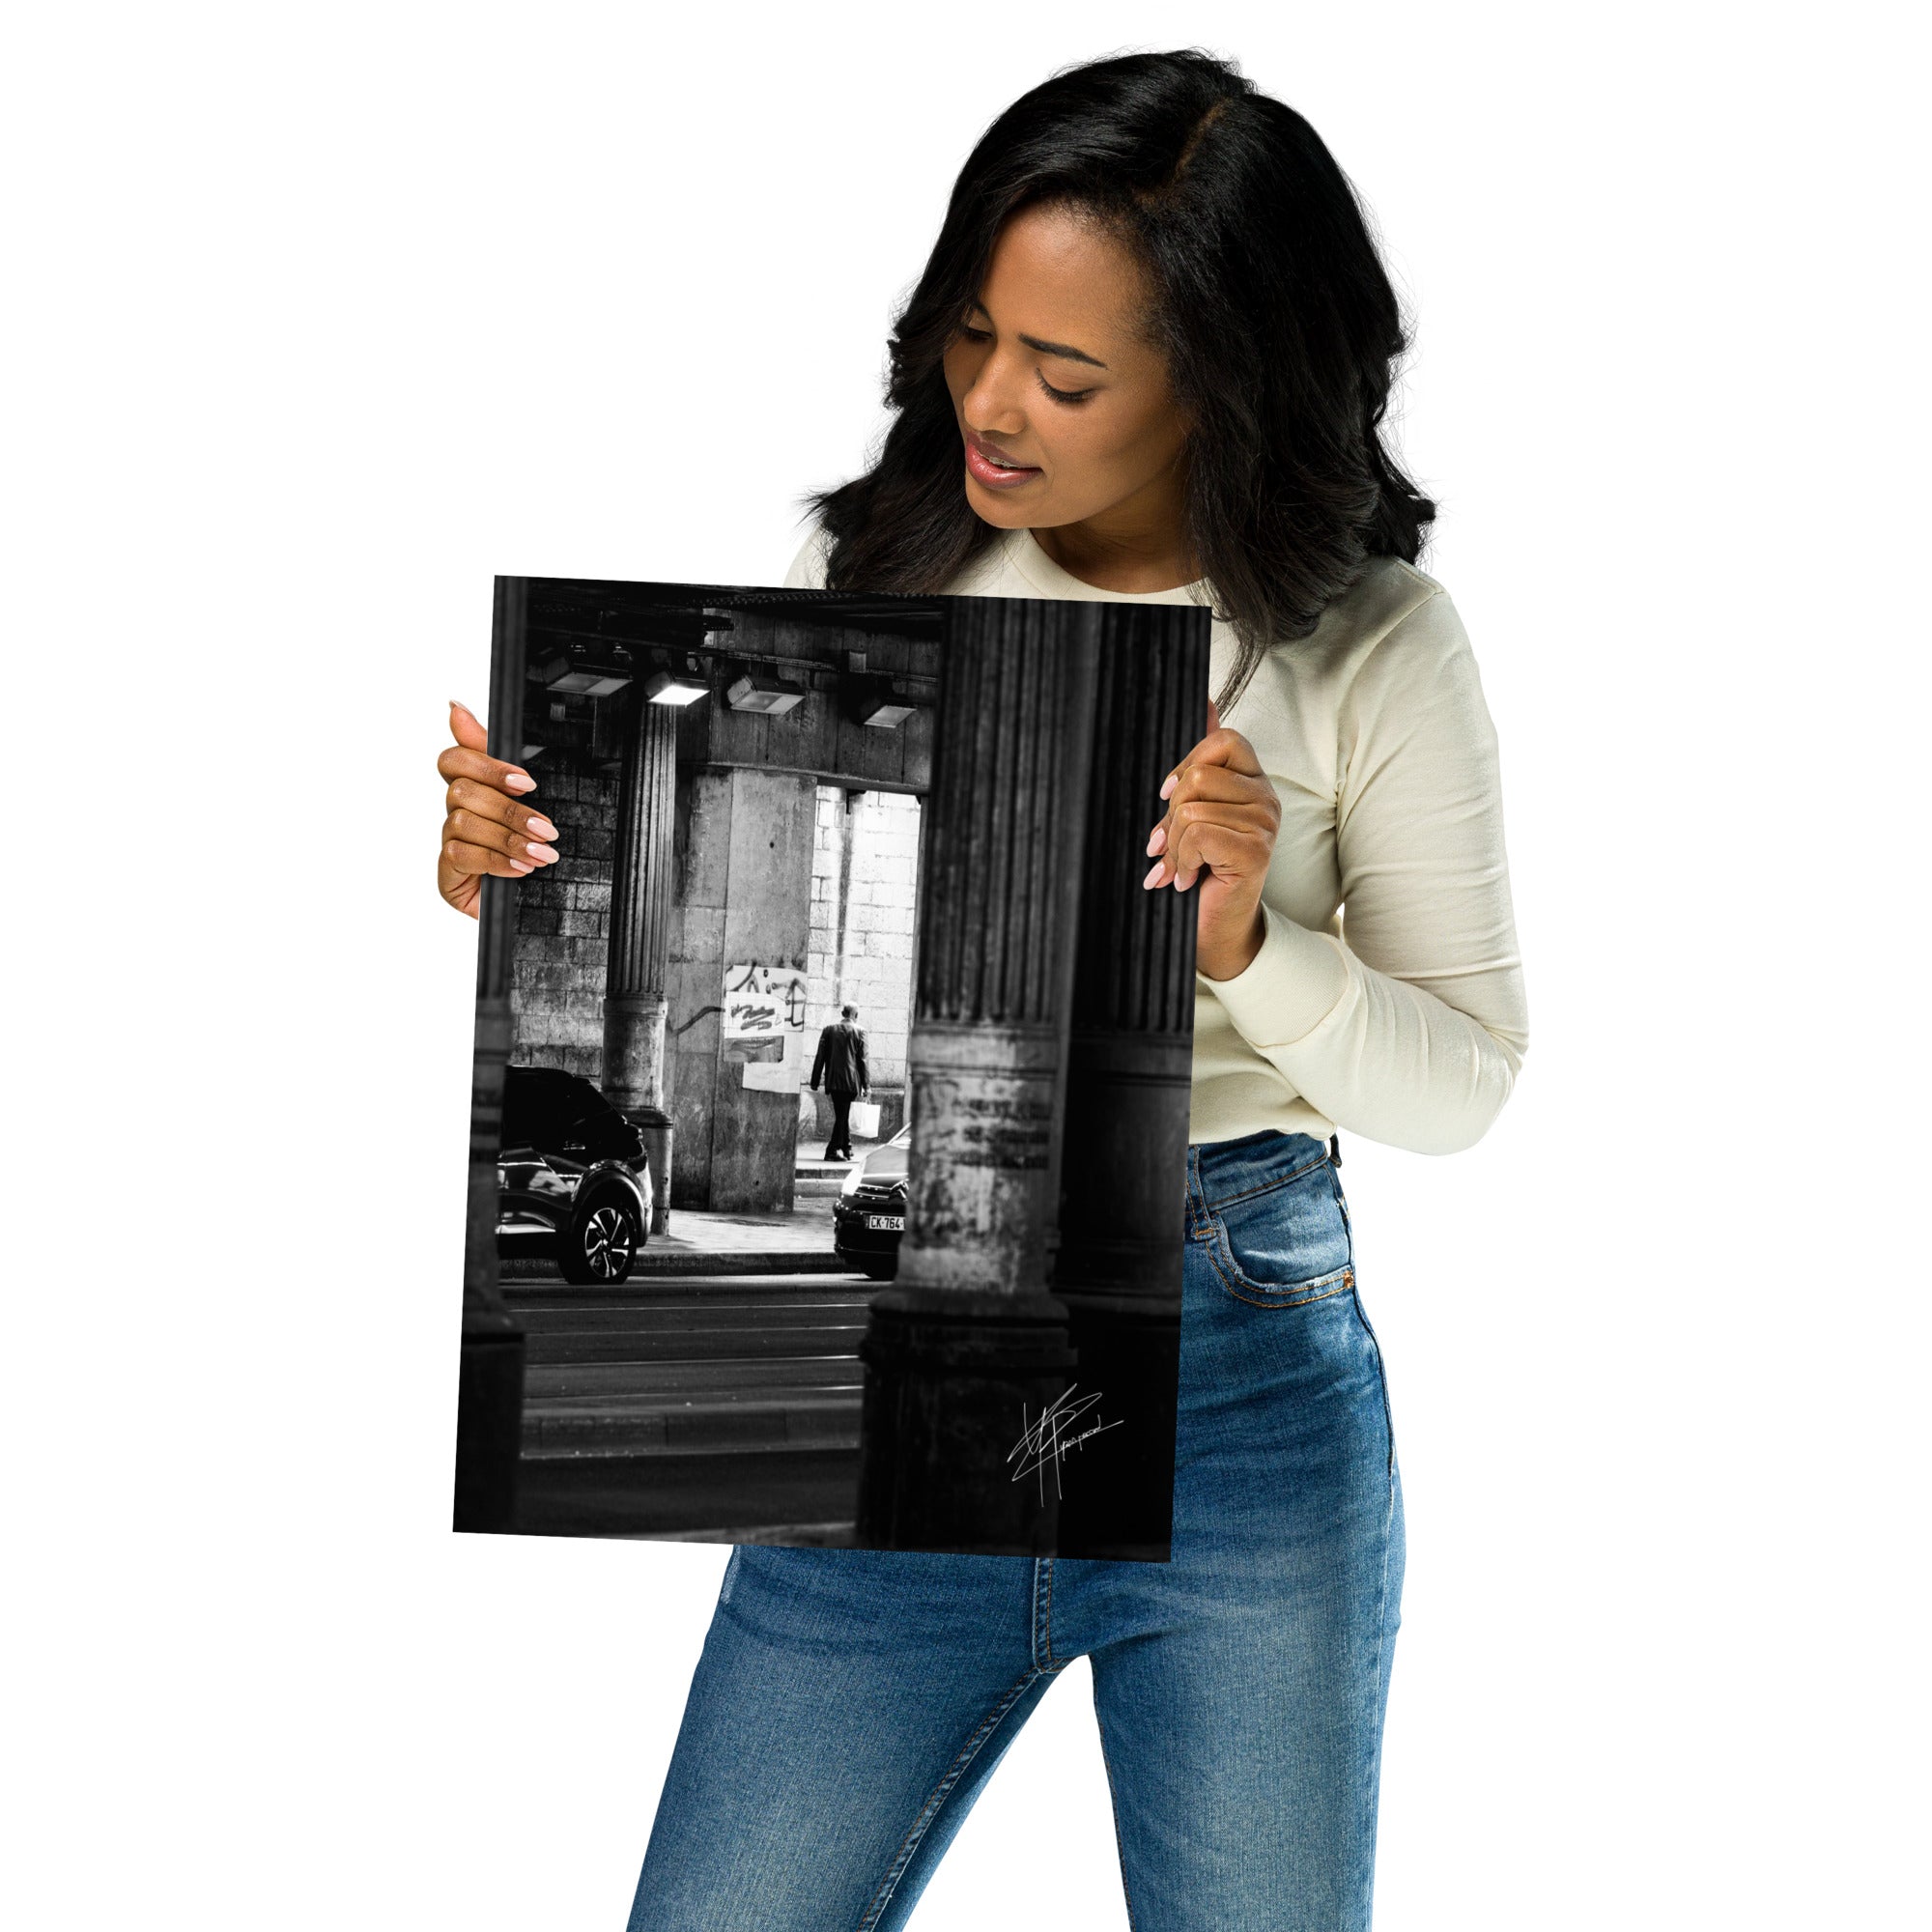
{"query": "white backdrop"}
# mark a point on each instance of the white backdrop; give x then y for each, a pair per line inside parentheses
(321, 316)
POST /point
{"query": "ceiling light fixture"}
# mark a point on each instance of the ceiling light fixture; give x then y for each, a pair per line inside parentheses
(577, 680)
(760, 691)
(663, 686)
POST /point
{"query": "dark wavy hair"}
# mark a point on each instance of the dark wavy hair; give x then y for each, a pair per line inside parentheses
(1269, 301)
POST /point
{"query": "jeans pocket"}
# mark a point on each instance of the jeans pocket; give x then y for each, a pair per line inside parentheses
(1285, 1242)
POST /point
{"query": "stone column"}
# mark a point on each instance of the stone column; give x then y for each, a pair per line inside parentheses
(490, 1387)
(1130, 1070)
(634, 1070)
(968, 1347)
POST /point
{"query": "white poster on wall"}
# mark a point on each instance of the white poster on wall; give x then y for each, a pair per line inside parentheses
(763, 1002)
(764, 1018)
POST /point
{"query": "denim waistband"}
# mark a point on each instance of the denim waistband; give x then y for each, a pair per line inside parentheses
(1221, 1171)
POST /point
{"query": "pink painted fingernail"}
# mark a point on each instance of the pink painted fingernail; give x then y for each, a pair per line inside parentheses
(1159, 866)
(1172, 778)
(542, 828)
(519, 782)
(1159, 839)
(517, 866)
(546, 853)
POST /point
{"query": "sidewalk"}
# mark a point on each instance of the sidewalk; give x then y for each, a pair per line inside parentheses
(704, 1243)
(700, 1242)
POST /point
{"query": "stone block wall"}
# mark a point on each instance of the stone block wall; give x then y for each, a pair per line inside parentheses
(864, 883)
(769, 867)
(563, 922)
(746, 854)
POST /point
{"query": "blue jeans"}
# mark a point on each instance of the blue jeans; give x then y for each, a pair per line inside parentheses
(849, 1704)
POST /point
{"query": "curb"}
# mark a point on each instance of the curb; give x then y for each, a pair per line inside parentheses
(739, 1261)
(698, 1262)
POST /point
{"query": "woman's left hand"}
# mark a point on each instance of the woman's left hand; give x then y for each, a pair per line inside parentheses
(1222, 818)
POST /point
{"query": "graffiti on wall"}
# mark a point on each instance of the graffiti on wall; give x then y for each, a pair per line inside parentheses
(763, 1023)
(760, 1002)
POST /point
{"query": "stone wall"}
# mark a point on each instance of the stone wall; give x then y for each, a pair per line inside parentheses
(563, 922)
(771, 866)
(863, 897)
(744, 897)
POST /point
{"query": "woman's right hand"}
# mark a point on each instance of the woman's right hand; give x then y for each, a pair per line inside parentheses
(487, 829)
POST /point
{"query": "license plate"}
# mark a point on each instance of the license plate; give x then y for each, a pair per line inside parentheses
(886, 1222)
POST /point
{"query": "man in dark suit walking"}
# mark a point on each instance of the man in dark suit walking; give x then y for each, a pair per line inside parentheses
(841, 1065)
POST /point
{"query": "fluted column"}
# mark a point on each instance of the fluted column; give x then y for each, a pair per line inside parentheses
(490, 1388)
(968, 1347)
(635, 1003)
(1129, 1069)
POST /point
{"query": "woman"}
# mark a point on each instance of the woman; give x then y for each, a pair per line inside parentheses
(1149, 359)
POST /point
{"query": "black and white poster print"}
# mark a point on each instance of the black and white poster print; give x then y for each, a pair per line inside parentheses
(831, 1090)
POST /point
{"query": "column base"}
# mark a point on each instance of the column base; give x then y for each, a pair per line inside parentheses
(632, 1078)
(954, 1380)
(658, 1133)
(1122, 1506)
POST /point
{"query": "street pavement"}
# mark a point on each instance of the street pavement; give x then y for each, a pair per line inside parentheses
(694, 1404)
(715, 1394)
(792, 1497)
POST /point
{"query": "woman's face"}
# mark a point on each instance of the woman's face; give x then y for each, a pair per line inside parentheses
(1048, 372)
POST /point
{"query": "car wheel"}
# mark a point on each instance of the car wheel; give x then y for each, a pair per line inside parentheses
(601, 1246)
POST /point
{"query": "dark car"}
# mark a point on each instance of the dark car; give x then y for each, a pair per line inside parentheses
(573, 1181)
(869, 1217)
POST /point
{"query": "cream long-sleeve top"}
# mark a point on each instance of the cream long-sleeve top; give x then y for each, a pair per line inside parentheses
(1387, 997)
